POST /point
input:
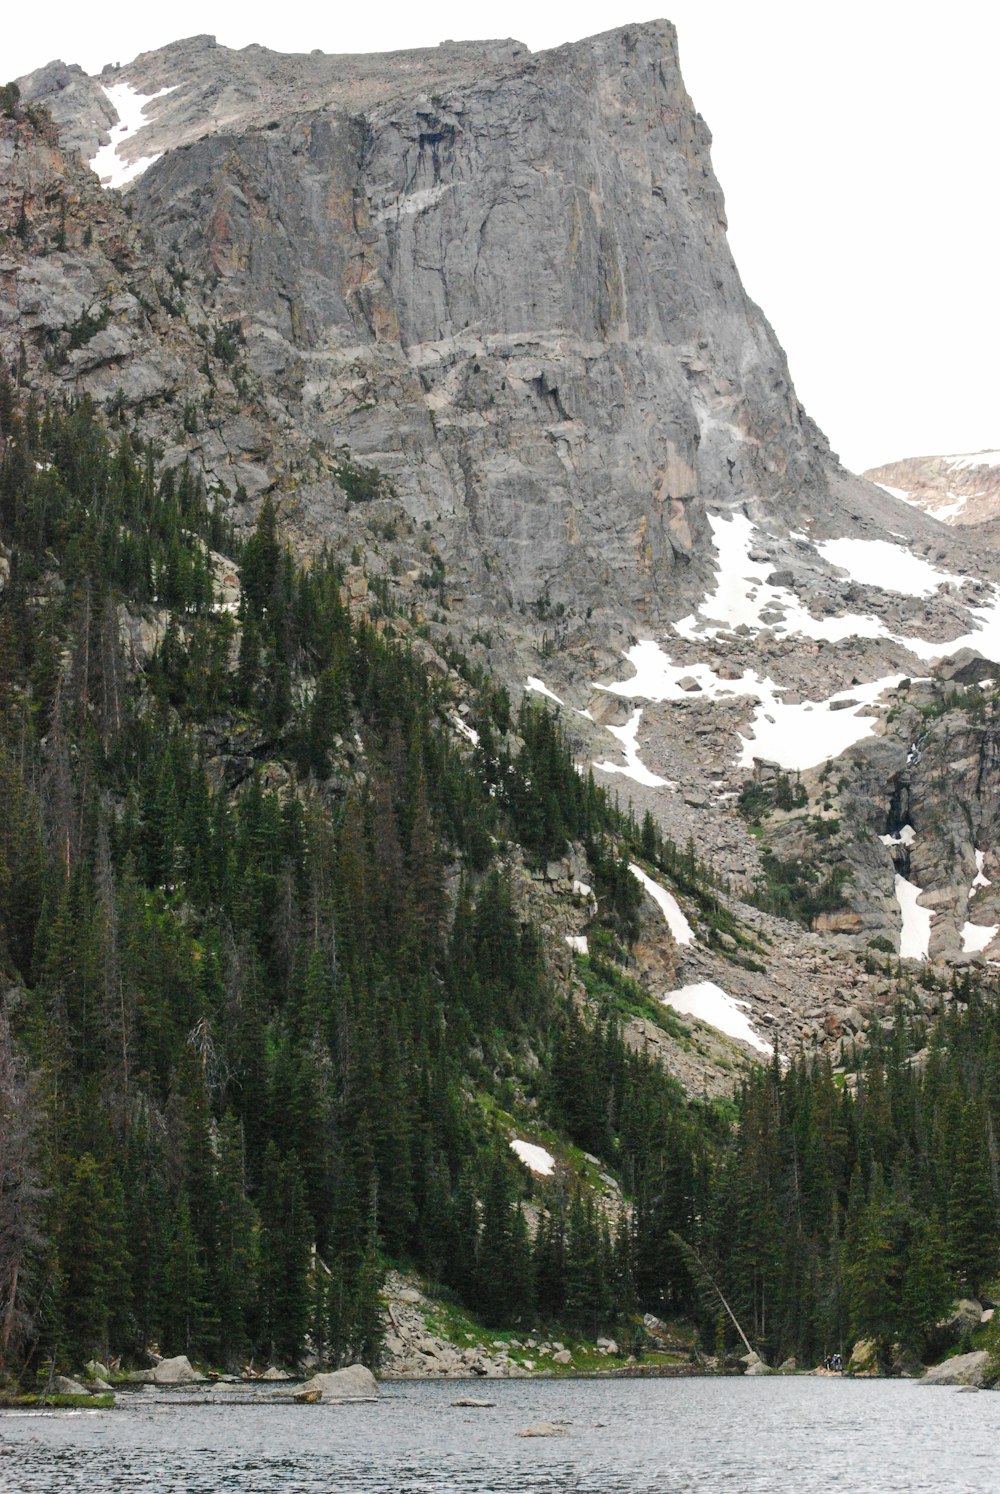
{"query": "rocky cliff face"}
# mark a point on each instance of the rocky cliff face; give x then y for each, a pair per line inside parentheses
(471, 313)
(502, 278)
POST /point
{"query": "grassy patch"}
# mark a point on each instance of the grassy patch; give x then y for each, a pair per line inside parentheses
(103, 1402)
(609, 986)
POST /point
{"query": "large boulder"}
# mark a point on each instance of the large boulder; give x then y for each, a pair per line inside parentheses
(353, 1383)
(963, 1369)
(63, 1386)
(864, 1358)
(176, 1371)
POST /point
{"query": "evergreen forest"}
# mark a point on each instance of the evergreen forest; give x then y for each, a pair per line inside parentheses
(270, 990)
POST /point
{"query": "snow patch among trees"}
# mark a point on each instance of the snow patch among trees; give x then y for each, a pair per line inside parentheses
(535, 1158)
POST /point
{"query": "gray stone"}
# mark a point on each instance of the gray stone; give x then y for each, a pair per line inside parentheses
(544, 1429)
(62, 1385)
(353, 1383)
(963, 1369)
(176, 1371)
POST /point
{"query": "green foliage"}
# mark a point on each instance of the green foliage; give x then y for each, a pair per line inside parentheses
(798, 889)
(759, 796)
(361, 484)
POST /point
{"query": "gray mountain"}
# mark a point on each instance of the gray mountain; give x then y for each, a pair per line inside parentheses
(471, 314)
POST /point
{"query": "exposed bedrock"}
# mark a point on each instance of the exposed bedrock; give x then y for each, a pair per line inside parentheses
(515, 296)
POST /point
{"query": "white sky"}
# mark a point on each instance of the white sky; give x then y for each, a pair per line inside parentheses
(856, 143)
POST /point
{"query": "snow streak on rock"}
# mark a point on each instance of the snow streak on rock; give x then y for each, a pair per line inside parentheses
(980, 879)
(668, 905)
(539, 688)
(906, 837)
(915, 935)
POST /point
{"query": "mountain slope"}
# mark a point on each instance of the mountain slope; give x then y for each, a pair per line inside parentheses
(962, 489)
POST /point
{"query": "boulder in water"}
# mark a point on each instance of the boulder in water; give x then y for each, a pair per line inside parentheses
(964, 1369)
(176, 1371)
(544, 1429)
(353, 1383)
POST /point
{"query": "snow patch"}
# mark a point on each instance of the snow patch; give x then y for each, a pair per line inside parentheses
(894, 492)
(796, 737)
(802, 736)
(467, 731)
(915, 935)
(542, 689)
(976, 459)
(710, 1003)
(906, 837)
(536, 1158)
(668, 905)
(976, 936)
(130, 106)
(742, 598)
(634, 767)
(980, 880)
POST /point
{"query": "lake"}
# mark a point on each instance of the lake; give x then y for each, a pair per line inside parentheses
(677, 1435)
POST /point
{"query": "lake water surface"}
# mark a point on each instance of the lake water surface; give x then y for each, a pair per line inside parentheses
(700, 1435)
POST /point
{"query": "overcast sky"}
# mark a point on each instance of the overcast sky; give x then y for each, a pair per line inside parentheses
(856, 143)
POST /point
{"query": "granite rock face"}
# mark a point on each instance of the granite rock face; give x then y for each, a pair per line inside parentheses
(501, 278)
